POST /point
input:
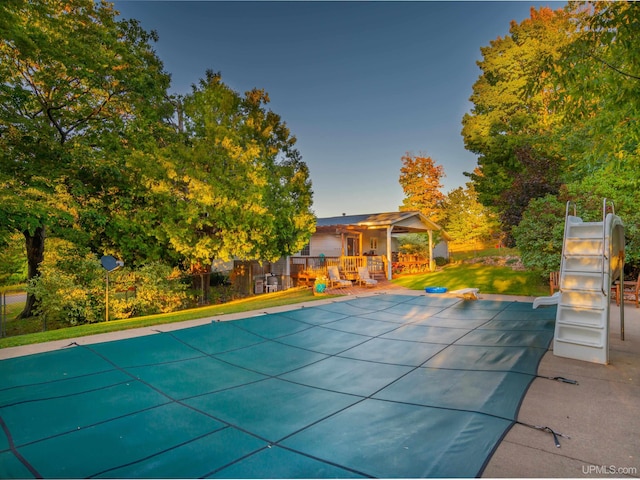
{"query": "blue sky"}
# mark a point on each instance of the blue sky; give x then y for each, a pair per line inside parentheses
(358, 83)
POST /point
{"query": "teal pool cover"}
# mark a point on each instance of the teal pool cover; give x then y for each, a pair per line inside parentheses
(392, 386)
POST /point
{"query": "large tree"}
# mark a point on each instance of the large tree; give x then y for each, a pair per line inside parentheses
(595, 83)
(235, 185)
(466, 220)
(420, 178)
(598, 80)
(75, 84)
(599, 74)
(513, 117)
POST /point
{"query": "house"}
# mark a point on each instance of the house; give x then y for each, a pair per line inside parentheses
(368, 239)
(350, 242)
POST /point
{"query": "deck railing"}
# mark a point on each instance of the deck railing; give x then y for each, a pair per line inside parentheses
(314, 266)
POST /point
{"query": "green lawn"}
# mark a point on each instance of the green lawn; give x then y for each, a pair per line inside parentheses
(15, 328)
(487, 252)
(489, 279)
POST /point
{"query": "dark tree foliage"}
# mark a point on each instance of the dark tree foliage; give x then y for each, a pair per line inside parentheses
(538, 177)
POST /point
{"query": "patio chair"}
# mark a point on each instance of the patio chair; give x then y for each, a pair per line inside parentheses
(364, 278)
(629, 291)
(334, 278)
(271, 284)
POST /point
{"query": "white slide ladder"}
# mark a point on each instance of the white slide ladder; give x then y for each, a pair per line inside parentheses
(592, 259)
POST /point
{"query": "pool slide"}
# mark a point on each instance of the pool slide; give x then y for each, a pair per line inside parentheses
(592, 260)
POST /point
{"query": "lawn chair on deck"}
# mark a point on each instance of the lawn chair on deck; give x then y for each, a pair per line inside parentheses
(364, 278)
(334, 278)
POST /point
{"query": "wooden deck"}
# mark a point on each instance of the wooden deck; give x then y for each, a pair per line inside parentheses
(304, 270)
(382, 285)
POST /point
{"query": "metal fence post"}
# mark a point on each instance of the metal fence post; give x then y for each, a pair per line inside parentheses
(3, 315)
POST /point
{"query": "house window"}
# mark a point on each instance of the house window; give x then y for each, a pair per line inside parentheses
(305, 250)
(373, 243)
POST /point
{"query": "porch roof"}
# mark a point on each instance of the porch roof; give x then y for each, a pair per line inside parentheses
(402, 222)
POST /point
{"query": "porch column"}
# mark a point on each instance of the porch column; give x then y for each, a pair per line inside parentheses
(431, 250)
(389, 268)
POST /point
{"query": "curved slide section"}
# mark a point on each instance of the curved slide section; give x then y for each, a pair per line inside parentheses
(615, 245)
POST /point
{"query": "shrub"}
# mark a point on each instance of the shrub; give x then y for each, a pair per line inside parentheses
(70, 287)
(13, 263)
(539, 234)
(441, 261)
(415, 244)
(158, 289)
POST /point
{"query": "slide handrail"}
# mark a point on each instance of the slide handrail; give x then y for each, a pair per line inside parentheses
(604, 208)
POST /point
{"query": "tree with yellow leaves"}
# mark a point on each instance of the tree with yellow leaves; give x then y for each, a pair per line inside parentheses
(420, 181)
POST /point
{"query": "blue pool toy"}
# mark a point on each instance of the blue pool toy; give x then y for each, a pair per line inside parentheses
(435, 289)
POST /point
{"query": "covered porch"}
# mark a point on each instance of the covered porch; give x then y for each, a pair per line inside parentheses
(352, 241)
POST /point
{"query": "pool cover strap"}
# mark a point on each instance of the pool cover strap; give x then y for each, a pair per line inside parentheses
(15, 451)
(561, 379)
(546, 429)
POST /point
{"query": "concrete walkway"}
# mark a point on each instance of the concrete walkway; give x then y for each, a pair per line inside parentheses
(601, 414)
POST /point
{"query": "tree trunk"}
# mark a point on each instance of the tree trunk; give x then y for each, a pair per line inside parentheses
(201, 282)
(35, 256)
